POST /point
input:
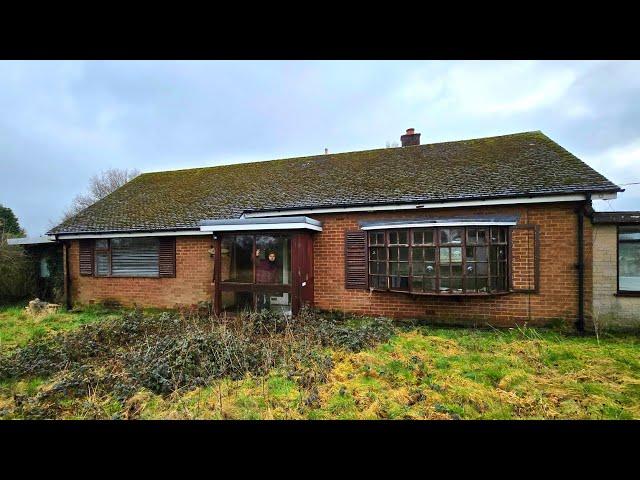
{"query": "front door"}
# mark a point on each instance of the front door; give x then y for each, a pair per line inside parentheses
(258, 271)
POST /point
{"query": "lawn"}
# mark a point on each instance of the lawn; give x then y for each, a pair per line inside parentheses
(351, 369)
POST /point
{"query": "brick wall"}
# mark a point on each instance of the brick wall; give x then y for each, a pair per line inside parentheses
(192, 284)
(609, 310)
(557, 298)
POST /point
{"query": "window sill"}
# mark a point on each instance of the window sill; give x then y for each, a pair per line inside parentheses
(627, 294)
(443, 294)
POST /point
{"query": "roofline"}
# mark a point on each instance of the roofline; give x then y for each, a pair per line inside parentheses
(478, 201)
(616, 218)
(130, 233)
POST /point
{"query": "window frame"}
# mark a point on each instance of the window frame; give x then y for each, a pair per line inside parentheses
(502, 282)
(253, 287)
(622, 293)
(109, 252)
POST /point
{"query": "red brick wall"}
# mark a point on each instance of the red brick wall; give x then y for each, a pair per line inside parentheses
(192, 284)
(557, 298)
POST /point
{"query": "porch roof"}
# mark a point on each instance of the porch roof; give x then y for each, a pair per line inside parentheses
(271, 223)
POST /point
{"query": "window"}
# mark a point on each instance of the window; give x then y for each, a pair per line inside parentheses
(629, 259)
(452, 260)
(127, 257)
(255, 272)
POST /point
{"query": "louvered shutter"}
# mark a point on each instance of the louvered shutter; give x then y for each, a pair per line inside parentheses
(524, 258)
(167, 257)
(356, 259)
(86, 257)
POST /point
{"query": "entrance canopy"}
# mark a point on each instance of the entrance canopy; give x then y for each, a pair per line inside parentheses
(252, 224)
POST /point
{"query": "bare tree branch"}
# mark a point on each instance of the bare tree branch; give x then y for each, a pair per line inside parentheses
(99, 187)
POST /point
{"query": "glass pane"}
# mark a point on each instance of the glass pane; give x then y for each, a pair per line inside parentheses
(382, 268)
(393, 268)
(376, 281)
(102, 264)
(404, 253)
(455, 235)
(444, 255)
(469, 254)
(273, 259)
(403, 237)
(418, 237)
(494, 234)
(418, 268)
(236, 258)
(236, 302)
(470, 269)
(481, 284)
(456, 270)
(393, 254)
(279, 302)
(456, 254)
(430, 254)
(135, 257)
(393, 238)
(482, 237)
(493, 284)
(428, 236)
(472, 235)
(482, 268)
(416, 284)
(444, 236)
(470, 284)
(399, 283)
(444, 284)
(503, 235)
(373, 267)
(429, 284)
(481, 254)
(456, 285)
(376, 238)
(430, 269)
(403, 268)
(629, 259)
(102, 244)
(418, 254)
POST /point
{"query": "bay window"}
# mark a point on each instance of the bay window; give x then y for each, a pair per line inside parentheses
(439, 260)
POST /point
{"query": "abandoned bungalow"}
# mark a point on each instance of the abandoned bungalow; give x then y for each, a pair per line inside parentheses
(493, 230)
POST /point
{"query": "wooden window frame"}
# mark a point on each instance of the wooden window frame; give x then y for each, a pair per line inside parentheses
(253, 287)
(502, 282)
(622, 293)
(109, 251)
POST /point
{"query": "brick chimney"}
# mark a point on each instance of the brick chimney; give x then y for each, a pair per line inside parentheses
(410, 138)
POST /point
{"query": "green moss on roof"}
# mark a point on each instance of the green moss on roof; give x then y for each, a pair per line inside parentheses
(527, 163)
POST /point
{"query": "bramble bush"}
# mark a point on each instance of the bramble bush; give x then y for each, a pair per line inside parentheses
(174, 351)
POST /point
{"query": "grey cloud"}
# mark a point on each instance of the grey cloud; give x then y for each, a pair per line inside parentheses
(61, 122)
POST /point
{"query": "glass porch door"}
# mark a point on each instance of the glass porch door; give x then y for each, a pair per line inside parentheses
(255, 272)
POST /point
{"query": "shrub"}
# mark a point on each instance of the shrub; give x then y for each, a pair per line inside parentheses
(167, 352)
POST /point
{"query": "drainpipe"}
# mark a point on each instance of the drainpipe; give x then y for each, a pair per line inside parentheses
(580, 264)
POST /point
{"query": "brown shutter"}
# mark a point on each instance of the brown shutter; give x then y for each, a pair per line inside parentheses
(355, 260)
(167, 257)
(524, 258)
(86, 257)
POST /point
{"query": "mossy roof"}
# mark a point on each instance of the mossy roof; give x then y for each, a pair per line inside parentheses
(520, 164)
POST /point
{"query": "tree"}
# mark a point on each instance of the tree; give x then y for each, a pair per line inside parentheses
(99, 187)
(9, 223)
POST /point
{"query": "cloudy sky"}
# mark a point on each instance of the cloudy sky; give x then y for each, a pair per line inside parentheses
(62, 122)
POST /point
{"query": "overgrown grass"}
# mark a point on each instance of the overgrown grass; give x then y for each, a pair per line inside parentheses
(17, 328)
(331, 368)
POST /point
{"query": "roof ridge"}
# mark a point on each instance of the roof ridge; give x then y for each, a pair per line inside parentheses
(324, 155)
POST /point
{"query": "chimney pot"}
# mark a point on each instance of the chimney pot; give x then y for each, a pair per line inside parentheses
(410, 138)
